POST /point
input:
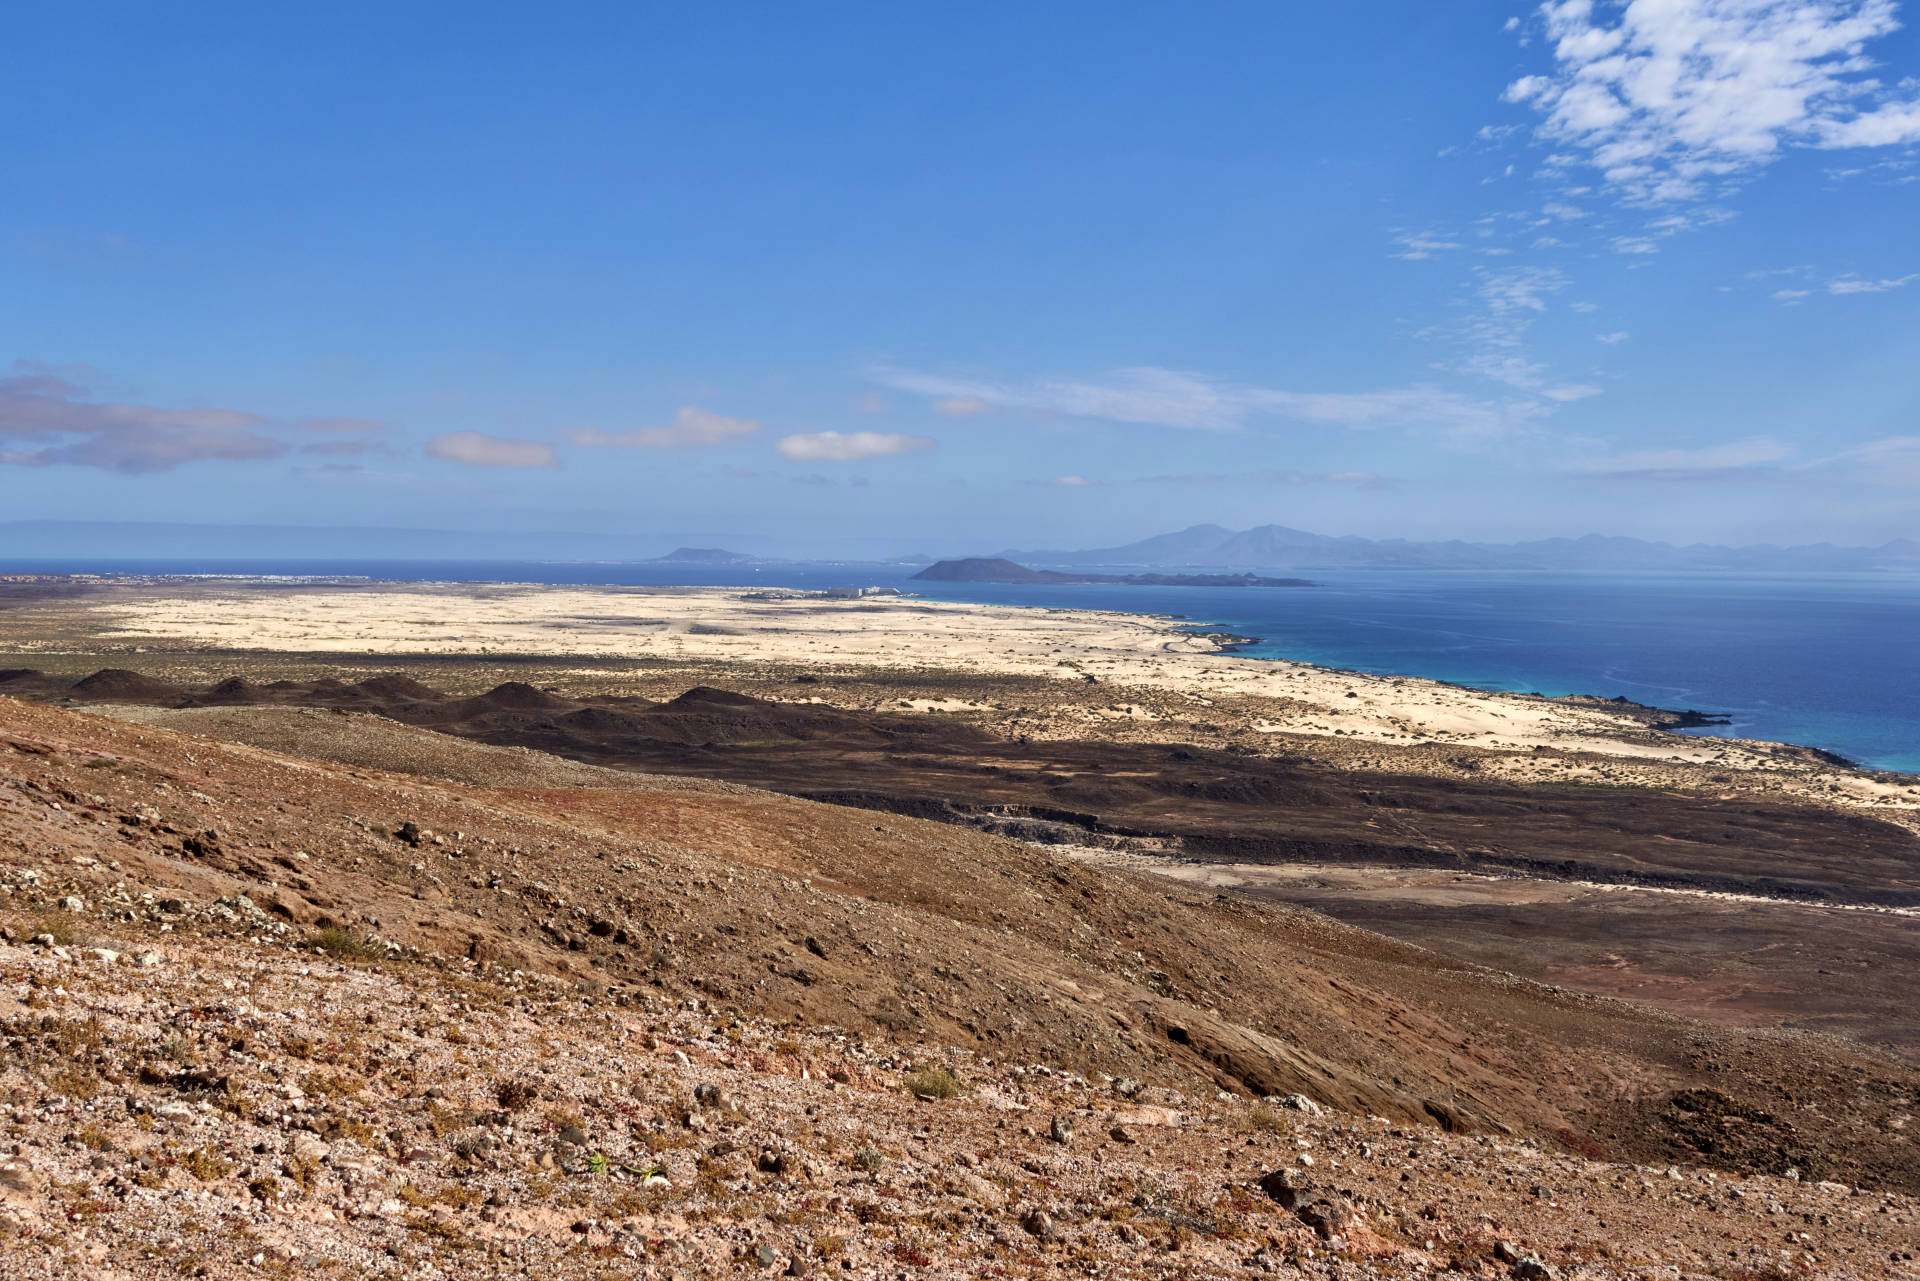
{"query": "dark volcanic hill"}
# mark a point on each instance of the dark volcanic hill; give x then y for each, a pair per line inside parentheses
(991, 569)
(703, 556)
(1205, 803)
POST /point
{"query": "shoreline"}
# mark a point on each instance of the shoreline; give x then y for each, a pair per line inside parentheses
(1227, 642)
(1179, 676)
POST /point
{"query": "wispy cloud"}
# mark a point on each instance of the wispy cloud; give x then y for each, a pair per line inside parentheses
(1271, 476)
(346, 448)
(1617, 336)
(1855, 285)
(1713, 462)
(692, 428)
(1845, 286)
(1674, 99)
(1509, 302)
(1172, 398)
(343, 426)
(1416, 246)
(1891, 460)
(1073, 482)
(1346, 479)
(47, 420)
(843, 447)
(960, 406)
(477, 449)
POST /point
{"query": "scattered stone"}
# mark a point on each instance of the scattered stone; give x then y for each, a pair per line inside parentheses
(1062, 1130)
(1039, 1225)
(1288, 1187)
(1329, 1216)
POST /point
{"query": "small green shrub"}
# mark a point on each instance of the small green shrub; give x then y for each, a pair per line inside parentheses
(934, 1083)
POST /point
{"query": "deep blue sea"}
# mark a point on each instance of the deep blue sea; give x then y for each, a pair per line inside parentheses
(1830, 662)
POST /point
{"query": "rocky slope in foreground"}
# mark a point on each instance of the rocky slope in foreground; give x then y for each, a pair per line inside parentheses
(667, 1028)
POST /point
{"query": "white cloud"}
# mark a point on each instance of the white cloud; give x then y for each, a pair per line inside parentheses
(477, 449)
(1890, 125)
(1710, 463)
(839, 447)
(1416, 246)
(1672, 99)
(1790, 295)
(1617, 336)
(871, 403)
(1854, 285)
(1522, 290)
(1073, 482)
(1566, 393)
(1584, 308)
(1170, 398)
(692, 427)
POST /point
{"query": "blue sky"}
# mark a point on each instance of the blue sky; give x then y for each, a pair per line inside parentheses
(876, 278)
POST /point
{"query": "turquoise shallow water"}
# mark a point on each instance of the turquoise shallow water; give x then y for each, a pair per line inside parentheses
(1829, 662)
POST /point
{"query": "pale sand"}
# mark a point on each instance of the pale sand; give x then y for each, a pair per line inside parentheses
(1121, 652)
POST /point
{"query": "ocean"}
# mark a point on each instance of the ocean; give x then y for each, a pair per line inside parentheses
(1827, 661)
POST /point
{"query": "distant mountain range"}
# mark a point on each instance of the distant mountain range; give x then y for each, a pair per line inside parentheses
(1278, 547)
(981, 569)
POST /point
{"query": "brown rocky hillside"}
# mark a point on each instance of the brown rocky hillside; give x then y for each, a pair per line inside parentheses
(589, 928)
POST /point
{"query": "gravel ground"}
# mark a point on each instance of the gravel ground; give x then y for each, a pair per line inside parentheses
(374, 742)
(228, 1110)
